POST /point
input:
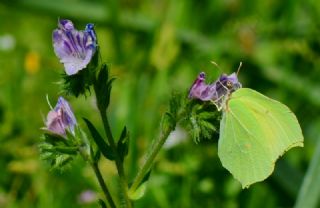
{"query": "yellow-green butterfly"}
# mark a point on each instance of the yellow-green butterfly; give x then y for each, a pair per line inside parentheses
(254, 130)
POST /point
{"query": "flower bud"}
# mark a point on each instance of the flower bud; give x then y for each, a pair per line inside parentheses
(61, 118)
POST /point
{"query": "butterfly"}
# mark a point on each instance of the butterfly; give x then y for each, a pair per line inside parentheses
(255, 130)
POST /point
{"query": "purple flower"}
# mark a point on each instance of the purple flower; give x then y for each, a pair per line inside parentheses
(87, 197)
(74, 48)
(215, 91)
(200, 89)
(61, 118)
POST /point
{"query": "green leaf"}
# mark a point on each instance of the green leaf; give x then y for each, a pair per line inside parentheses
(79, 83)
(123, 144)
(103, 87)
(57, 150)
(101, 143)
(95, 154)
(54, 139)
(102, 203)
(309, 193)
(140, 191)
(62, 150)
(61, 161)
(254, 132)
(202, 120)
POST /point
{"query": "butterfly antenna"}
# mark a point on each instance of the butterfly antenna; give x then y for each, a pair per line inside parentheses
(214, 63)
(239, 67)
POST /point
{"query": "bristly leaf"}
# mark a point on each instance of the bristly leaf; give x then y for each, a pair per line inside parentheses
(57, 150)
(103, 87)
(123, 144)
(55, 139)
(202, 120)
(61, 149)
(101, 143)
(79, 83)
(61, 161)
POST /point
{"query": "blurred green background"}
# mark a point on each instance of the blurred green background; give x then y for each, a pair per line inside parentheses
(153, 48)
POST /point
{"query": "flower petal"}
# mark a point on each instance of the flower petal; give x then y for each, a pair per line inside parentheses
(61, 118)
(54, 123)
(215, 91)
(67, 116)
(201, 90)
(74, 48)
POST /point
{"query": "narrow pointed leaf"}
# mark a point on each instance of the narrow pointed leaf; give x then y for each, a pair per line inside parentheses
(102, 203)
(123, 143)
(101, 143)
(309, 194)
(101, 88)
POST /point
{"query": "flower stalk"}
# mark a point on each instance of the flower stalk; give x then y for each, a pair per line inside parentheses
(102, 184)
(119, 164)
(168, 125)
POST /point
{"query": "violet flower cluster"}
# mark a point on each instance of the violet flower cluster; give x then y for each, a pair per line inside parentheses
(74, 48)
(216, 91)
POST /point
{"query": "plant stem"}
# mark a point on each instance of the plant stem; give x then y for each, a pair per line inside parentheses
(103, 185)
(98, 174)
(119, 164)
(151, 155)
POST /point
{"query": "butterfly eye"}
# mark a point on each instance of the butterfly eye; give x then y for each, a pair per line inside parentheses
(229, 85)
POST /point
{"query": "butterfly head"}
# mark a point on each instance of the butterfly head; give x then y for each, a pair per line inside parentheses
(229, 82)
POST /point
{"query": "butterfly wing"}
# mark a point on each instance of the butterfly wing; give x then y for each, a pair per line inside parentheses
(254, 131)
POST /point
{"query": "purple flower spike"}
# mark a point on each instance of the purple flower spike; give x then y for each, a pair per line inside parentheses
(74, 48)
(61, 118)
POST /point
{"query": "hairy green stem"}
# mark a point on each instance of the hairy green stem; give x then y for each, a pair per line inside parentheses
(151, 155)
(119, 164)
(98, 174)
(103, 185)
